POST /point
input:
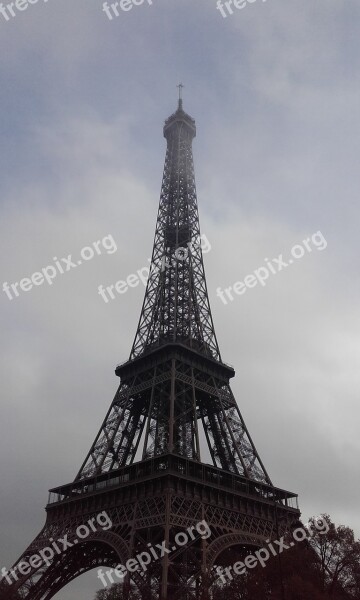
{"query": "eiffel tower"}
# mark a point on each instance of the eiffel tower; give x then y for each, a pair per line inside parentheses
(174, 405)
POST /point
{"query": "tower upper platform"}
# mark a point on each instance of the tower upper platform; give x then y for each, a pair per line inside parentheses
(177, 119)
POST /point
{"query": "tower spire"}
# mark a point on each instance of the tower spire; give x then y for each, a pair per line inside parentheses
(180, 105)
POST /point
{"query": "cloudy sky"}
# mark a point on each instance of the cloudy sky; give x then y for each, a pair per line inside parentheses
(274, 89)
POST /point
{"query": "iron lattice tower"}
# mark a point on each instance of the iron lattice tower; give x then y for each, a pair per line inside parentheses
(145, 466)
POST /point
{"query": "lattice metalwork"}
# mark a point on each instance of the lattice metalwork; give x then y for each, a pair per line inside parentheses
(162, 410)
(171, 401)
(145, 466)
(153, 519)
(176, 305)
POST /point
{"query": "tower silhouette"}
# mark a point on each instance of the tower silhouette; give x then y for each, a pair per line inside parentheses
(173, 406)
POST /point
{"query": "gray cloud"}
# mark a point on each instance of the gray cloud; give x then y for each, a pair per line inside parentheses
(275, 96)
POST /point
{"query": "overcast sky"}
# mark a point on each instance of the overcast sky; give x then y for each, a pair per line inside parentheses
(274, 89)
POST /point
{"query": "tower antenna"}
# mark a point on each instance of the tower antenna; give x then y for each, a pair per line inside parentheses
(180, 86)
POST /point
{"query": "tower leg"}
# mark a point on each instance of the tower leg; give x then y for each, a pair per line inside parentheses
(165, 565)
